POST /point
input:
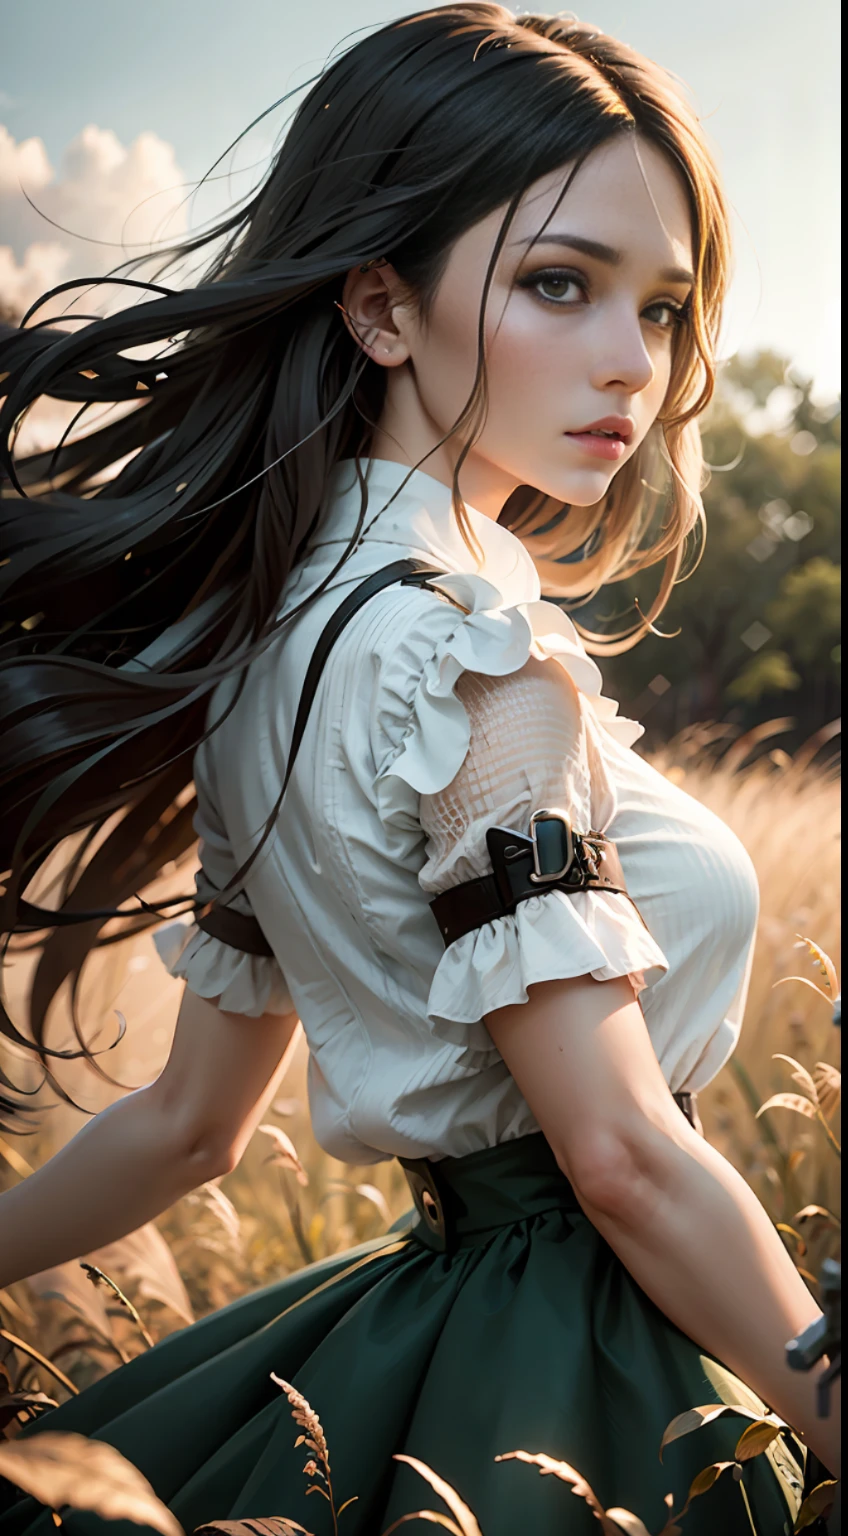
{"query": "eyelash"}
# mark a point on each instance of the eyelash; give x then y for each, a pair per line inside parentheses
(678, 312)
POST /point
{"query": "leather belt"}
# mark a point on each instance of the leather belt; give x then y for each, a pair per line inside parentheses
(552, 858)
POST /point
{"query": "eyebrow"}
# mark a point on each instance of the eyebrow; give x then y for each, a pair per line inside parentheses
(601, 252)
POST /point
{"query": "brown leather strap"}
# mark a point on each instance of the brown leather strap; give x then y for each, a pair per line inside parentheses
(238, 929)
(688, 1103)
(595, 866)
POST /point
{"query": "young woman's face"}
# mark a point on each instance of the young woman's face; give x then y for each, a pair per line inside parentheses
(579, 332)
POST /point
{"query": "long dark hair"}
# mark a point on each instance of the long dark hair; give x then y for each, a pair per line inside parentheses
(144, 560)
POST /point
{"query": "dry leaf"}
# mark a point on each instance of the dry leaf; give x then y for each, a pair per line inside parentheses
(62, 1469)
(13, 1403)
(828, 1081)
(755, 1438)
(376, 1196)
(788, 1231)
(706, 1478)
(273, 1525)
(805, 982)
(824, 963)
(567, 1474)
(221, 1206)
(465, 1520)
(629, 1523)
(286, 1107)
(285, 1153)
(818, 1502)
(696, 1418)
(35, 1354)
(800, 1074)
(145, 1256)
(431, 1516)
(794, 1101)
(19, 1313)
(67, 1283)
(810, 1211)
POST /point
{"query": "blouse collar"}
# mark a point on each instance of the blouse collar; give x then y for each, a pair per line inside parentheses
(411, 509)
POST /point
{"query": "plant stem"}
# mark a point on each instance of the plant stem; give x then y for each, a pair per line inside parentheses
(746, 1502)
(96, 1275)
(34, 1354)
(829, 1133)
(293, 1205)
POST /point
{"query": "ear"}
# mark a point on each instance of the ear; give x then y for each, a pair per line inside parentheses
(374, 311)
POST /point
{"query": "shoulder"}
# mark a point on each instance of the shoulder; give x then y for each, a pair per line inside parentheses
(418, 644)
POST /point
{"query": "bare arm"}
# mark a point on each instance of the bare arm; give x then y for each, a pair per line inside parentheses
(678, 1215)
(144, 1152)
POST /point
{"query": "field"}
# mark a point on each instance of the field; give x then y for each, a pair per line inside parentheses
(282, 1208)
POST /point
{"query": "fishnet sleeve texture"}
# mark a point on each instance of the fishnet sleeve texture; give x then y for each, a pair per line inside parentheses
(533, 744)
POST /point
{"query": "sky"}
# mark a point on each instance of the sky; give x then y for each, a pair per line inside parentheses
(110, 111)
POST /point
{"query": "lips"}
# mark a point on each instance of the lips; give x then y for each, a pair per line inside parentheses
(604, 439)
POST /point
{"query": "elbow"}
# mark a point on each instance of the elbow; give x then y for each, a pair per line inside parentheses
(620, 1181)
(196, 1148)
(211, 1149)
(210, 1155)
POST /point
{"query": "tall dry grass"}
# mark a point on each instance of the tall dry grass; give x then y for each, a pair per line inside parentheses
(274, 1213)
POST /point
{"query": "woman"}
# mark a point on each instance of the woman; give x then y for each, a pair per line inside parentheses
(465, 324)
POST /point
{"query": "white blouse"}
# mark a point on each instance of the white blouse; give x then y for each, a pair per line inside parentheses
(436, 717)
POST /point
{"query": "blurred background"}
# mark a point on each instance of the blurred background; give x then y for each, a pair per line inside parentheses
(110, 116)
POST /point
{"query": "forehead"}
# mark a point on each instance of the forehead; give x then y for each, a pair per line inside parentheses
(627, 194)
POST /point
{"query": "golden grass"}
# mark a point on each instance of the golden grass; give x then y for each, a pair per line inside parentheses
(262, 1223)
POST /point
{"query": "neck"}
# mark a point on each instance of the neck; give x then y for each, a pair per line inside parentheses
(405, 434)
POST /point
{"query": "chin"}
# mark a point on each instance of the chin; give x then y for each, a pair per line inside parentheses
(579, 488)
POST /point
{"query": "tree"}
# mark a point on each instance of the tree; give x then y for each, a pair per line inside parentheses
(756, 625)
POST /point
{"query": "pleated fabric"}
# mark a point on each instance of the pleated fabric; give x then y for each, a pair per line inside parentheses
(529, 1334)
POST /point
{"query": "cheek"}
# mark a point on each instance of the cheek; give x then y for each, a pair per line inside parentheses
(532, 363)
(446, 364)
(662, 357)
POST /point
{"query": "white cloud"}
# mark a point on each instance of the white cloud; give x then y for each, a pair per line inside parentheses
(115, 200)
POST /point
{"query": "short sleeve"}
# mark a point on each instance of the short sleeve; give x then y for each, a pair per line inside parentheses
(507, 717)
(249, 984)
(531, 746)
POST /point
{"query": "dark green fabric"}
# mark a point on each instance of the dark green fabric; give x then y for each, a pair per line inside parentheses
(530, 1335)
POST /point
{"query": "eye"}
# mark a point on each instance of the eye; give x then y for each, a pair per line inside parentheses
(555, 285)
(666, 313)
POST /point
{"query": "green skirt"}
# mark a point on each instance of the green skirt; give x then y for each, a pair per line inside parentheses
(497, 1321)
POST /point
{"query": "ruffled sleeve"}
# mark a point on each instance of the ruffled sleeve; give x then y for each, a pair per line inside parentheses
(507, 717)
(249, 984)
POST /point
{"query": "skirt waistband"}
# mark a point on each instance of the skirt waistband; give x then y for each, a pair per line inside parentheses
(462, 1201)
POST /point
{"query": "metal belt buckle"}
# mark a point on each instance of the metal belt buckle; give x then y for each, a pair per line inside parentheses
(553, 845)
(428, 1201)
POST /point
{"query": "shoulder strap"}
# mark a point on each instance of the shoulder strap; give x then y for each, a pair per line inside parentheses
(235, 928)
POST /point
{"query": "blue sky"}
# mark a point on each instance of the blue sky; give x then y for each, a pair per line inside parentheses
(191, 74)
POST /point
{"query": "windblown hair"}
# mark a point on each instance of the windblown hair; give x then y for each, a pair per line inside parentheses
(143, 561)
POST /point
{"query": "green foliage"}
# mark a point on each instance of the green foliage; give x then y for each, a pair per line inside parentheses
(806, 611)
(755, 628)
(770, 672)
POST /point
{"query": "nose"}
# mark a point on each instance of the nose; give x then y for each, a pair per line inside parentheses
(622, 360)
